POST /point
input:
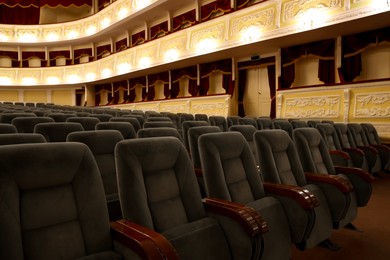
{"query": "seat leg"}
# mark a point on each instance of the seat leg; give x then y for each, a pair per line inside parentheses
(329, 245)
(353, 227)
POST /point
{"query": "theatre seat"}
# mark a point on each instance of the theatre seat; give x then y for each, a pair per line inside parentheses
(125, 128)
(27, 124)
(280, 164)
(6, 118)
(102, 117)
(247, 121)
(102, 145)
(247, 131)
(265, 123)
(21, 138)
(219, 121)
(285, 125)
(53, 207)
(230, 173)
(159, 132)
(88, 123)
(57, 131)
(133, 121)
(60, 117)
(6, 128)
(186, 126)
(158, 189)
(156, 124)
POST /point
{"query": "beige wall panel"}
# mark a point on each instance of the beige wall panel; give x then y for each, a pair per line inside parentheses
(35, 96)
(62, 97)
(9, 95)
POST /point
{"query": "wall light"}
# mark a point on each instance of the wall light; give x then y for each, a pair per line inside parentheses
(5, 80)
(29, 81)
(28, 37)
(124, 67)
(122, 13)
(72, 34)
(73, 78)
(90, 76)
(105, 22)
(52, 80)
(206, 45)
(52, 36)
(250, 34)
(3, 37)
(312, 18)
(145, 62)
(171, 55)
(106, 73)
(91, 30)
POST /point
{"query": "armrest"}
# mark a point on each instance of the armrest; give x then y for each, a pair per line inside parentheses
(352, 170)
(342, 184)
(380, 147)
(247, 217)
(146, 242)
(354, 150)
(302, 196)
(342, 154)
(369, 149)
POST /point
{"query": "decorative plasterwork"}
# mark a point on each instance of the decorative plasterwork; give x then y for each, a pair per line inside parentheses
(177, 44)
(292, 10)
(312, 107)
(372, 105)
(263, 19)
(212, 107)
(212, 32)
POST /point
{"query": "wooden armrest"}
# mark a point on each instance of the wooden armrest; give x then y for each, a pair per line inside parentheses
(343, 154)
(352, 170)
(368, 148)
(380, 147)
(342, 184)
(198, 172)
(302, 196)
(249, 219)
(146, 242)
(354, 150)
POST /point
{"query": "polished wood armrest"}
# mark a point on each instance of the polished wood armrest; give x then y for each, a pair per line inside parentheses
(342, 184)
(380, 147)
(302, 196)
(368, 148)
(249, 219)
(342, 154)
(198, 172)
(354, 150)
(145, 241)
(353, 170)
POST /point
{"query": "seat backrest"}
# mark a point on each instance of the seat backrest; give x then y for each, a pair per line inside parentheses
(219, 121)
(278, 158)
(102, 145)
(140, 119)
(247, 131)
(202, 117)
(313, 151)
(186, 117)
(21, 138)
(27, 124)
(232, 120)
(131, 120)
(60, 117)
(186, 126)
(6, 118)
(299, 123)
(50, 202)
(157, 183)
(247, 121)
(159, 132)
(88, 123)
(57, 131)
(156, 124)
(285, 125)
(102, 117)
(229, 169)
(158, 119)
(174, 118)
(7, 128)
(125, 128)
(345, 136)
(328, 132)
(371, 133)
(193, 136)
(265, 123)
(313, 123)
(358, 135)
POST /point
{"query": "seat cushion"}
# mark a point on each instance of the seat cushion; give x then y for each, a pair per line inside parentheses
(108, 255)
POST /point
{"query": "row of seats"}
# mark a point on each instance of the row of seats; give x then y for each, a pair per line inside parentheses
(146, 152)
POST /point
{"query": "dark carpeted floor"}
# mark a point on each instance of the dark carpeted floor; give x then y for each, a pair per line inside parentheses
(373, 243)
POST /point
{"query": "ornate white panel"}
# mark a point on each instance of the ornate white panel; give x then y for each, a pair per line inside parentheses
(173, 44)
(29, 76)
(182, 106)
(372, 105)
(149, 52)
(214, 32)
(312, 107)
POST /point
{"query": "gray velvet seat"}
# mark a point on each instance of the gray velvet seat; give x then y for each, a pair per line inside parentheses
(6, 118)
(315, 158)
(219, 121)
(313, 123)
(158, 189)
(174, 118)
(60, 117)
(88, 123)
(6, 128)
(247, 121)
(230, 173)
(361, 142)
(247, 131)
(158, 118)
(201, 117)
(186, 126)
(57, 131)
(159, 132)
(102, 145)
(358, 156)
(339, 157)
(232, 120)
(374, 141)
(185, 117)
(21, 138)
(27, 124)
(280, 164)
(125, 128)
(285, 125)
(298, 123)
(156, 124)
(140, 118)
(265, 123)
(134, 121)
(102, 117)
(53, 207)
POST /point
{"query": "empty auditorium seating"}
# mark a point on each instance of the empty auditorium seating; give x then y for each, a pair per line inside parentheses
(285, 125)
(27, 124)
(247, 121)
(102, 117)
(7, 128)
(155, 124)
(88, 123)
(158, 189)
(134, 121)
(230, 173)
(186, 126)
(57, 131)
(21, 138)
(219, 121)
(6, 118)
(158, 132)
(125, 128)
(265, 123)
